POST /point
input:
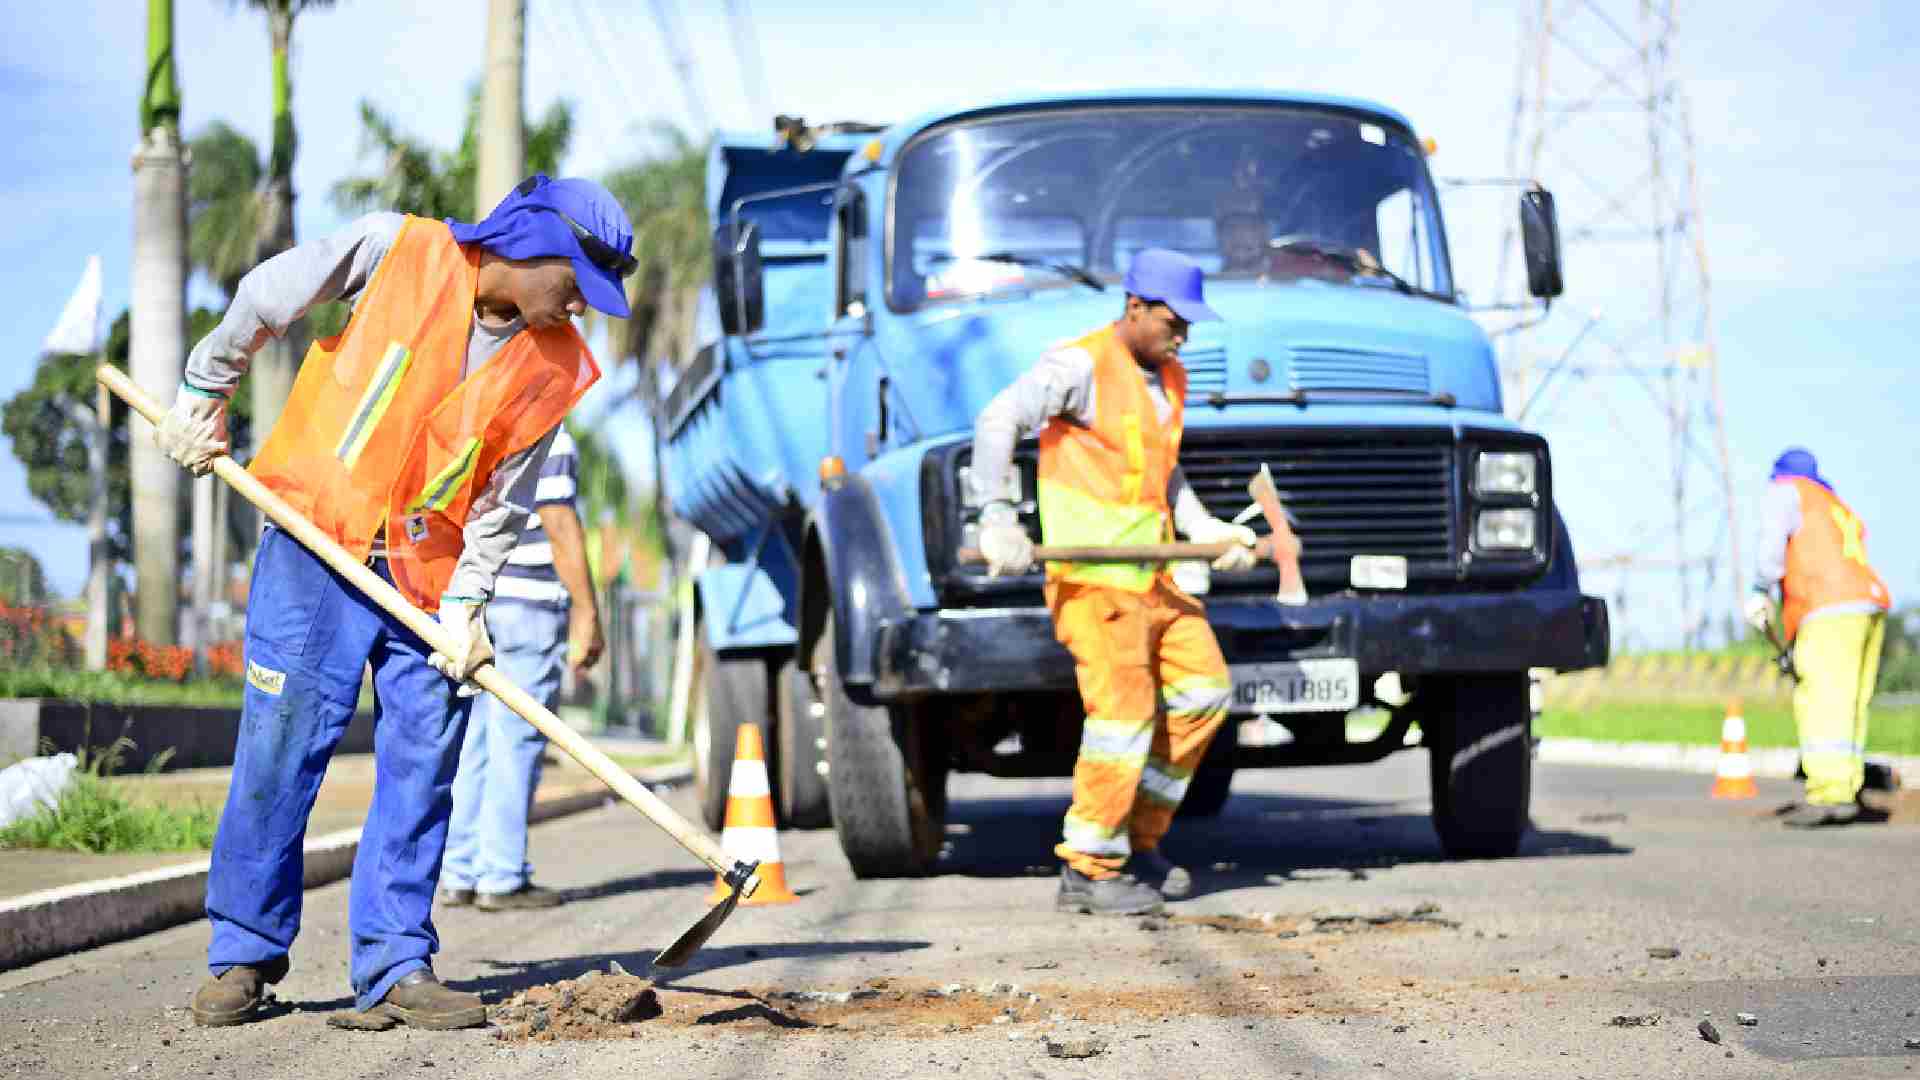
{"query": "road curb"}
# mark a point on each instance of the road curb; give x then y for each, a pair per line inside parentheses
(1778, 762)
(54, 922)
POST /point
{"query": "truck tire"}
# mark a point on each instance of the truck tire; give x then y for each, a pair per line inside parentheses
(1479, 732)
(881, 789)
(803, 789)
(1207, 794)
(735, 691)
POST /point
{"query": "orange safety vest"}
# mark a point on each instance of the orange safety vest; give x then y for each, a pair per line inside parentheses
(382, 433)
(1107, 483)
(1826, 558)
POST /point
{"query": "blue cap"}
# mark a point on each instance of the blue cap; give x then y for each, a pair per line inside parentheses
(1799, 461)
(1174, 280)
(537, 220)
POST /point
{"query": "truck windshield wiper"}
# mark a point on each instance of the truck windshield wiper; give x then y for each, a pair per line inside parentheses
(1352, 259)
(1066, 270)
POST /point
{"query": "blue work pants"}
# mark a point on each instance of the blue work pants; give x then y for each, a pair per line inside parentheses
(500, 759)
(310, 635)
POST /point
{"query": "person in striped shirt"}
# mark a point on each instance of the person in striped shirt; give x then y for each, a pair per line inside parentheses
(543, 615)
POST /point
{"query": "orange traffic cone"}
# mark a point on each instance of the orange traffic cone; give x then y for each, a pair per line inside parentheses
(750, 834)
(1733, 777)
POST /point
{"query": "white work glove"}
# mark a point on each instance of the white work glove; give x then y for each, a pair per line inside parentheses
(194, 431)
(1004, 541)
(1759, 610)
(465, 622)
(1215, 531)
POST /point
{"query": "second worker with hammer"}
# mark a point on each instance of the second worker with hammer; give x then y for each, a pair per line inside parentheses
(1108, 410)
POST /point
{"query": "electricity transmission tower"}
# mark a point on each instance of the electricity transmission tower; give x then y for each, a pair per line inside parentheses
(1627, 385)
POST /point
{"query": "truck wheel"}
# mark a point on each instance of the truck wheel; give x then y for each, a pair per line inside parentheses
(1479, 731)
(803, 790)
(1207, 794)
(879, 785)
(735, 692)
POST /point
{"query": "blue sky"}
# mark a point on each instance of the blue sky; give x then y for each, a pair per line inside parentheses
(1803, 121)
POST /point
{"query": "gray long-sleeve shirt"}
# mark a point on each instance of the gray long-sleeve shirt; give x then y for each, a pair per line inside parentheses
(1062, 384)
(281, 290)
(1780, 518)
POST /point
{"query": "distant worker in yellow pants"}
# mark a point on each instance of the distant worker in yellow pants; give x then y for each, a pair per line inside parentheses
(1108, 409)
(1834, 611)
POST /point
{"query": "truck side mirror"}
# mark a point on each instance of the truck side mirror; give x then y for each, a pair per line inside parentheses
(1540, 237)
(737, 277)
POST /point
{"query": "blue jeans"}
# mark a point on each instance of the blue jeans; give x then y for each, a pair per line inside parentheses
(500, 759)
(310, 634)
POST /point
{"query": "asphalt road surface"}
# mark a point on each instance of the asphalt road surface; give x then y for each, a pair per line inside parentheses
(1519, 972)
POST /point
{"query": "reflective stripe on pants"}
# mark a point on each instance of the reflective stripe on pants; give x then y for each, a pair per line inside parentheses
(1155, 690)
(1838, 658)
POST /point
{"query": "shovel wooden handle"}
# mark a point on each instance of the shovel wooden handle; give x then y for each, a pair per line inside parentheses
(428, 628)
(1125, 552)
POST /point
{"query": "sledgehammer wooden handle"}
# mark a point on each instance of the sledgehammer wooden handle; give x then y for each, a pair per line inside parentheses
(488, 677)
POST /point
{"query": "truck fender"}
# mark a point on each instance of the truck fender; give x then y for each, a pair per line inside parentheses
(1563, 571)
(850, 563)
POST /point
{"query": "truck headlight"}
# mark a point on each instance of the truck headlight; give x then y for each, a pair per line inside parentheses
(1501, 472)
(1505, 530)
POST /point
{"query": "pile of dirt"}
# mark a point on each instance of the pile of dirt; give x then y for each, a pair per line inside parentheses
(594, 1006)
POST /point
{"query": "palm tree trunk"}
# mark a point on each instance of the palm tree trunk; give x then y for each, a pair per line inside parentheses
(159, 330)
(276, 364)
(503, 135)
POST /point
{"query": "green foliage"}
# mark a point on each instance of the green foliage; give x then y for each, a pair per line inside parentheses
(665, 199)
(23, 580)
(53, 446)
(113, 688)
(93, 817)
(224, 205)
(415, 178)
(1900, 657)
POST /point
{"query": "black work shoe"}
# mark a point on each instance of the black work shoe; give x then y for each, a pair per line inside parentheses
(234, 995)
(1157, 870)
(418, 1000)
(1122, 894)
(525, 898)
(455, 897)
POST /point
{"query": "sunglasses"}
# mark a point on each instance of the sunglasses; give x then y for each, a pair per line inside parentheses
(598, 251)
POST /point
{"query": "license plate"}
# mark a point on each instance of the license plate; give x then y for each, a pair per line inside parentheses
(1296, 686)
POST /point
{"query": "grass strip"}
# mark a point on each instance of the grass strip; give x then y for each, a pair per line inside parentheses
(1889, 730)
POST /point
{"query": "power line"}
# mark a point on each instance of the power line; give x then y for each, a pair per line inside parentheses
(746, 46)
(673, 35)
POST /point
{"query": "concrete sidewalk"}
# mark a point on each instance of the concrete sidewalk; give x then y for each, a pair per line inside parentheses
(52, 902)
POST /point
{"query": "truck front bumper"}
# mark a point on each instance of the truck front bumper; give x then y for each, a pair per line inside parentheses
(975, 650)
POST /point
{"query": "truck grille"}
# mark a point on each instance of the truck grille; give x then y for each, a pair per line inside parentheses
(1206, 373)
(1345, 497)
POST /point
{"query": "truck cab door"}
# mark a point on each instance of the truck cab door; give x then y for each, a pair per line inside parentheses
(857, 374)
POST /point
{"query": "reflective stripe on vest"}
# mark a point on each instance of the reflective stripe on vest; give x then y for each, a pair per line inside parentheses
(1826, 558)
(1106, 483)
(381, 432)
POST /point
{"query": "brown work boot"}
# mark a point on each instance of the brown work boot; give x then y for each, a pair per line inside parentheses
(525, 898)
(1121, 894)
(234, 995)
(418, 1000)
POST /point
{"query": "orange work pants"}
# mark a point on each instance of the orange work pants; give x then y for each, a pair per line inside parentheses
(1155, 689)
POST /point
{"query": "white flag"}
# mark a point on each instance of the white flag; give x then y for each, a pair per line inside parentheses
(78, 330)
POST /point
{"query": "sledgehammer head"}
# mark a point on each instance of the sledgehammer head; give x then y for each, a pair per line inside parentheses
(741, 883)
(1286, 546)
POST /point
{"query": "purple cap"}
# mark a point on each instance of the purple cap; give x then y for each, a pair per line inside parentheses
(1174, 280)
(574, 218)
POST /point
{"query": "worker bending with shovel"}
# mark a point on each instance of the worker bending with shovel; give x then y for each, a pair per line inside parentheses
(412, 439)
(1108, 410)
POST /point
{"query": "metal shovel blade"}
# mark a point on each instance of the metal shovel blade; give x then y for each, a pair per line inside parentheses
(738, 879)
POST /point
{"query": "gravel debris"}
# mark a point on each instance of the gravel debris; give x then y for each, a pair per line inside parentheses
(1629, 1020)
(1709, 1032)
(1746, 1019)
(1664, 952)
(1076, 1048)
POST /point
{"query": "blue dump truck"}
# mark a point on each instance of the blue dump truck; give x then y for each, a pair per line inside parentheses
(874, 288)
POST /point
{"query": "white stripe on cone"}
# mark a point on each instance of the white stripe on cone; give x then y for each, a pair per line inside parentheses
(750, 843)
(749, 780)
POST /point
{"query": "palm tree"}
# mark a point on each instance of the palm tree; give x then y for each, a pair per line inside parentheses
(665, 198)
(224, 206)
(159, 332)
(415, 178)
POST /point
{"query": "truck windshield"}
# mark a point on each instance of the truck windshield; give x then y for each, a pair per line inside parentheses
(1270, 195)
